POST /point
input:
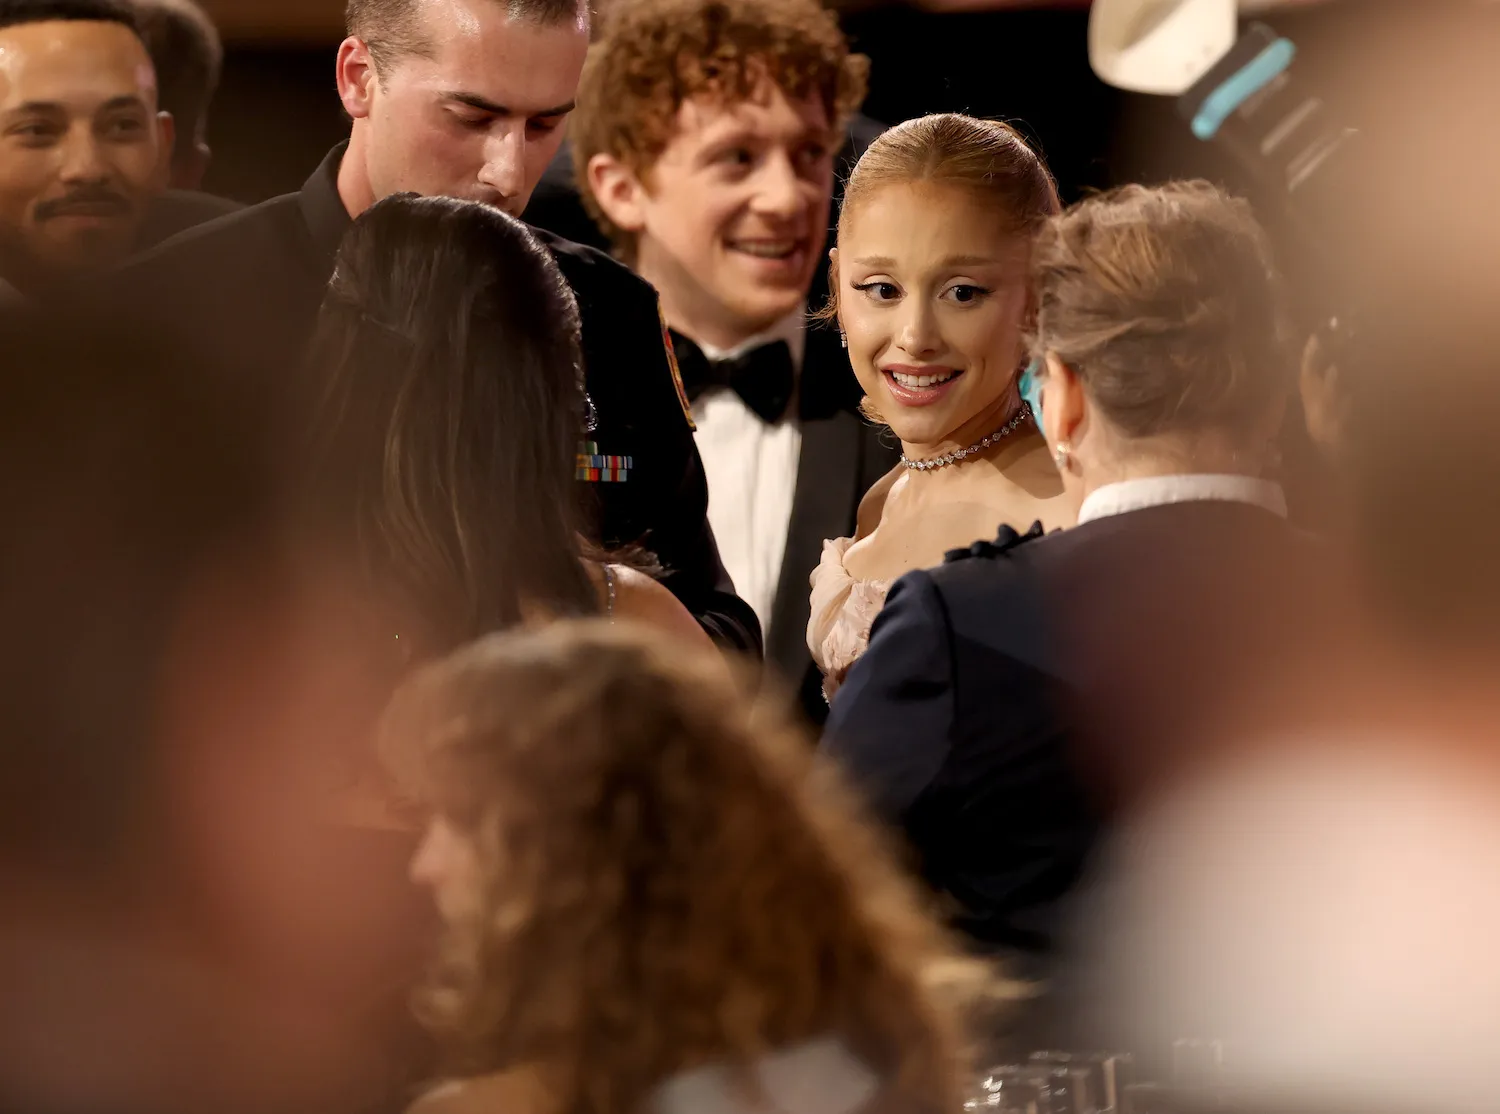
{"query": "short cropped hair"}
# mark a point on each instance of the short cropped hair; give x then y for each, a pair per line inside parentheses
(652, 55)
(1166, 304)
(393, 28)
(189, 57)
(15, 13)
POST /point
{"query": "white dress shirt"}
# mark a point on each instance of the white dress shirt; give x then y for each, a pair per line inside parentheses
(752, 475)
(1158, 491)
(820, 1077)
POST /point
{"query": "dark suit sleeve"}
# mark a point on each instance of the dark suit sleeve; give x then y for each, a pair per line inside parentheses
(891, 723)
(684, 543)
(643, 413)
(677, 531)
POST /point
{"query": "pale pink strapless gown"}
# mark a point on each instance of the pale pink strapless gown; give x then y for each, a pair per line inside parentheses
(843, 610)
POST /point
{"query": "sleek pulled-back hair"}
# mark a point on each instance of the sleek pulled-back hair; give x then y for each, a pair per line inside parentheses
(14, 13)
(988, 156)
(393, 28)
(1165, 303)
(444, 447)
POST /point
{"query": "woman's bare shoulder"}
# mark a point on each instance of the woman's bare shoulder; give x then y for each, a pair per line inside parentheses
(641, 599)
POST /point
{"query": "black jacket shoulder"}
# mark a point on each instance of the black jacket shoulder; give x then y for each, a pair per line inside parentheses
(178, 210)
(238, 294)
(631, 375)
(592, 272)
(987, 578)
(255, 230)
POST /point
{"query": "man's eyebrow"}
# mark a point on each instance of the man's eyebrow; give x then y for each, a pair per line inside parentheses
(129, 100)
(474, 100)
(125, 100)
(53, 107)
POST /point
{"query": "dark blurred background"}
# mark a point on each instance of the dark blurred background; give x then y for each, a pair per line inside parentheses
(277, 113)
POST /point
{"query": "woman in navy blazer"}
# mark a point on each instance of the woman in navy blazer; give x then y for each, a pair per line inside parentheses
(1014, 700)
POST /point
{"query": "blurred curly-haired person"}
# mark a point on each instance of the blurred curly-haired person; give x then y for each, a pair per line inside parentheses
(656, 896)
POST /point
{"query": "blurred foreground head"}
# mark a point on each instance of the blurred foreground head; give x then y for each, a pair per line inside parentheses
(127, 478)
(1415, 242)
(1329, 902)
(183, 922)
(644, 876)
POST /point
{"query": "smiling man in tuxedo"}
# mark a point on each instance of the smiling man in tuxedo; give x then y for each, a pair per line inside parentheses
(714, 180)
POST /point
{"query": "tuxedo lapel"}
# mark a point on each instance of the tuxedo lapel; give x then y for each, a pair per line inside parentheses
(842, 457)
(827, 496)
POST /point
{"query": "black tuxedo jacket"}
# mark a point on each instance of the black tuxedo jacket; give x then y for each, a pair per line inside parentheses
(1013, 701)
(842, 457)
(178, 210)
(241, 295)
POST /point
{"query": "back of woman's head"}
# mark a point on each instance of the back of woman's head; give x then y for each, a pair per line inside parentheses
(987, 156)
(1165, 302)
(446, 439)
(670, 879)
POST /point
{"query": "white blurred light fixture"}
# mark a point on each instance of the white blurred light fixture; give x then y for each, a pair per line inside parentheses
(1159, 46)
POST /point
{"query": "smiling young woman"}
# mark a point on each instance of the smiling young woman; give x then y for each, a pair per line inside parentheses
(931, 292)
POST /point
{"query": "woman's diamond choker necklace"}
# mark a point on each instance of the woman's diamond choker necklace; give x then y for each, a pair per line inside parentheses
(955, 457)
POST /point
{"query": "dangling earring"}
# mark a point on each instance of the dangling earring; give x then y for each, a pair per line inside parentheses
(1063, 455)
(843, 339)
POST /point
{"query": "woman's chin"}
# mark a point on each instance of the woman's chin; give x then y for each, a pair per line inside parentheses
(919, 426)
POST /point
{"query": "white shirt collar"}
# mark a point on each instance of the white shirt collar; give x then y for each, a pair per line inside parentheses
(1158, 491)
(820, 1077)
(792, 328)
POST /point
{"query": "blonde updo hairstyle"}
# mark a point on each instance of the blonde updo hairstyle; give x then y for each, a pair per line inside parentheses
(988, 157)
(1165, 303)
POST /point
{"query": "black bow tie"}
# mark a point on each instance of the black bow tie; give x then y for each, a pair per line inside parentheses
(763, 377)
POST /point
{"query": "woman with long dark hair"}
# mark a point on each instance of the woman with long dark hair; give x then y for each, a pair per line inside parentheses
(450, 413)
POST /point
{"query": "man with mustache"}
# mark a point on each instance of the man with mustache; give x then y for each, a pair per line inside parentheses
(81, 140)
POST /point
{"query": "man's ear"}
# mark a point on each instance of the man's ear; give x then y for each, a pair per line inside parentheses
(166, 142)
(354, 73)
(190, 166)
(618, 191)
(1320, 388)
